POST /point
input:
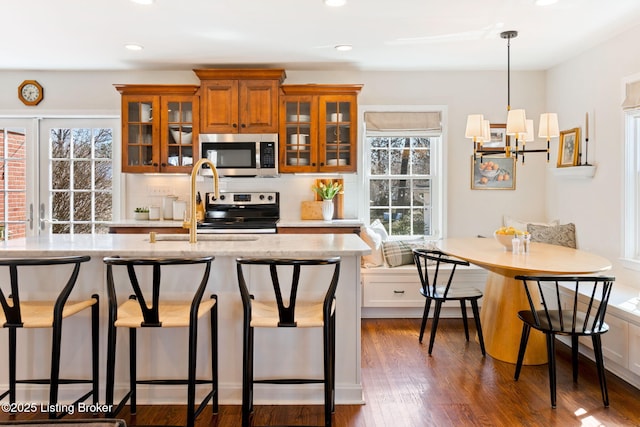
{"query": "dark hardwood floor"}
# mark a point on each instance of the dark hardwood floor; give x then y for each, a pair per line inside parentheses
(456, 386)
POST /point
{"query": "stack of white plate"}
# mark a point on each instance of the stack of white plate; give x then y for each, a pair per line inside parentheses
(299, 118)
(336, 162)
(294, 161)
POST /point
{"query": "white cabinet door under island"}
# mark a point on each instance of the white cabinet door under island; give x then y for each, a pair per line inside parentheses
(277, 354)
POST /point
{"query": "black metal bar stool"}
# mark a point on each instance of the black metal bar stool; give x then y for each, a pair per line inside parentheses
(273, 313)
(147, 307)
(22, 309)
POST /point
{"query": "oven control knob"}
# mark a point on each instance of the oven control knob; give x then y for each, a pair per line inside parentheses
(222, 197)
(262, 197)
(270, 198)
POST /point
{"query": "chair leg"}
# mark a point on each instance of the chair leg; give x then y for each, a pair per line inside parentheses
(551, 355)
(326, 332)
(12, 364)
(574, 357)
(524, 338)
(111, 362)
(95, 350)
(54, 381)
(132, 368)
(247, 374)
(425, 316)
(434, 324)
(214, 357)
(463, 308)
(476, 317)
(191, 381)
(597, 350)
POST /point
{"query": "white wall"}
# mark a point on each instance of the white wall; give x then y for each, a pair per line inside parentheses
(469, 212)
(593, 82)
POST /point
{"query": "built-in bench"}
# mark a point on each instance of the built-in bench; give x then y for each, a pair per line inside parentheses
(391, 292)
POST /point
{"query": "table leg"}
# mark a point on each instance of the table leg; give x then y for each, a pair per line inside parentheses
(503, 298)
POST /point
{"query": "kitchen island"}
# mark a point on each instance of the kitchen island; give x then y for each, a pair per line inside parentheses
(272, 350)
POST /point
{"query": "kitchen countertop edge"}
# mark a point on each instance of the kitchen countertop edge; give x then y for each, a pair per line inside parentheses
(264, 245)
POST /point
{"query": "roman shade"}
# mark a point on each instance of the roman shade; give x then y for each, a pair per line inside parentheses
(407, 121)
(632, 98)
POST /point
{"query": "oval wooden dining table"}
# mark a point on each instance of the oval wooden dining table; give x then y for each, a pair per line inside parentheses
(504, 296)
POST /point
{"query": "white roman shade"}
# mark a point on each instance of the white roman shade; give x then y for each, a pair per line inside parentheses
(384, 121)
(632, 98)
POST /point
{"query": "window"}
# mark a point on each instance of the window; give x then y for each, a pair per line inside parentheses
(403, 164)
(632, 176)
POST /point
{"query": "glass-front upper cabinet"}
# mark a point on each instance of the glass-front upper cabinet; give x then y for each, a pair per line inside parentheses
(160, 128)
(338, 133)
(299, 136)
(318, 130)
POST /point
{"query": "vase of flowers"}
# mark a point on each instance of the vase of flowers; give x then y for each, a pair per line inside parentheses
(327, 192)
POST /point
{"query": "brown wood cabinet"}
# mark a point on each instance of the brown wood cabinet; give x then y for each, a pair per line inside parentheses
(318, 128)
(239, 100)
(319, 230)
(159, 128)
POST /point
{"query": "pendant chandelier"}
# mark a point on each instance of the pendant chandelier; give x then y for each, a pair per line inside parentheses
(518, 127)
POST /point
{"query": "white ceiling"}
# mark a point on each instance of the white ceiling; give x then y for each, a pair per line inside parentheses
(301, 34)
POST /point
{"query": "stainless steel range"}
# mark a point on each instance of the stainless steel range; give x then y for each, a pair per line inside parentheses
(241, 213)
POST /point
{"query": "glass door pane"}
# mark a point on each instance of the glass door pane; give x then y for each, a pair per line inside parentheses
(299, 132)
(14, 209)
(77, 175)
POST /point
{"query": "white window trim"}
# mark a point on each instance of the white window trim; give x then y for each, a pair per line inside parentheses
(439, 219)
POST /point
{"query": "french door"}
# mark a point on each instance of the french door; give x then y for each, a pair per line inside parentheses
(58, 176)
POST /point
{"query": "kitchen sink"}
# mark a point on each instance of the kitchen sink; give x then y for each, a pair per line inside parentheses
(205, 238)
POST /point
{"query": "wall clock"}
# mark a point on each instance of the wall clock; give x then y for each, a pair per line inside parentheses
(30, 92)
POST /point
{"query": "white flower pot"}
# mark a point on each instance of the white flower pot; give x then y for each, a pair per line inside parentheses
(327, 210)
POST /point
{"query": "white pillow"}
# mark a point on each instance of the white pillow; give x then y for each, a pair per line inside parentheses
(373, 239)
(379, 228)
(521, 225)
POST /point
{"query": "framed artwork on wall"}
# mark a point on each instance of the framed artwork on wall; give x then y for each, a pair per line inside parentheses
(493, 173)
(569, 148)
(499, 137)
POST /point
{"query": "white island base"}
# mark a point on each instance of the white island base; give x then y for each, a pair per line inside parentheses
(162, 352)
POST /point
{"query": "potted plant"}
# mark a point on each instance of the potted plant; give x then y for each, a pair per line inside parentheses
(327, 192)
(141, 213)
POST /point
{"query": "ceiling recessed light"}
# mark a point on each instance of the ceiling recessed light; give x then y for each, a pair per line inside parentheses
(344, 47)
(335, 3)
(145, 2)
(133, 46)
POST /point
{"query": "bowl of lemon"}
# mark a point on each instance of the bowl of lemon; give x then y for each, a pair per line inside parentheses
(504, 235)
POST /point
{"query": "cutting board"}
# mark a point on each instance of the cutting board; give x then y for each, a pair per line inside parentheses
(311, 210)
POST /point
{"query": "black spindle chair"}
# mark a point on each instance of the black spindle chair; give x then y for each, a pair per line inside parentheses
(437, 287)
(571, 306)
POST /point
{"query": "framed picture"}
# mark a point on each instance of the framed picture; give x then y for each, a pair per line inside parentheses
(493, 173)
(499, 137)
(569, 147)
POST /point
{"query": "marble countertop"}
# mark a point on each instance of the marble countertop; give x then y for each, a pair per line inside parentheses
(264, 245)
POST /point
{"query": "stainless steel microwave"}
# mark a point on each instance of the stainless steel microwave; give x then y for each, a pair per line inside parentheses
(240, 154)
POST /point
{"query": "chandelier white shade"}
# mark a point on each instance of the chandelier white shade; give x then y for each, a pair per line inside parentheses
(548, 126)
(517, 126)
